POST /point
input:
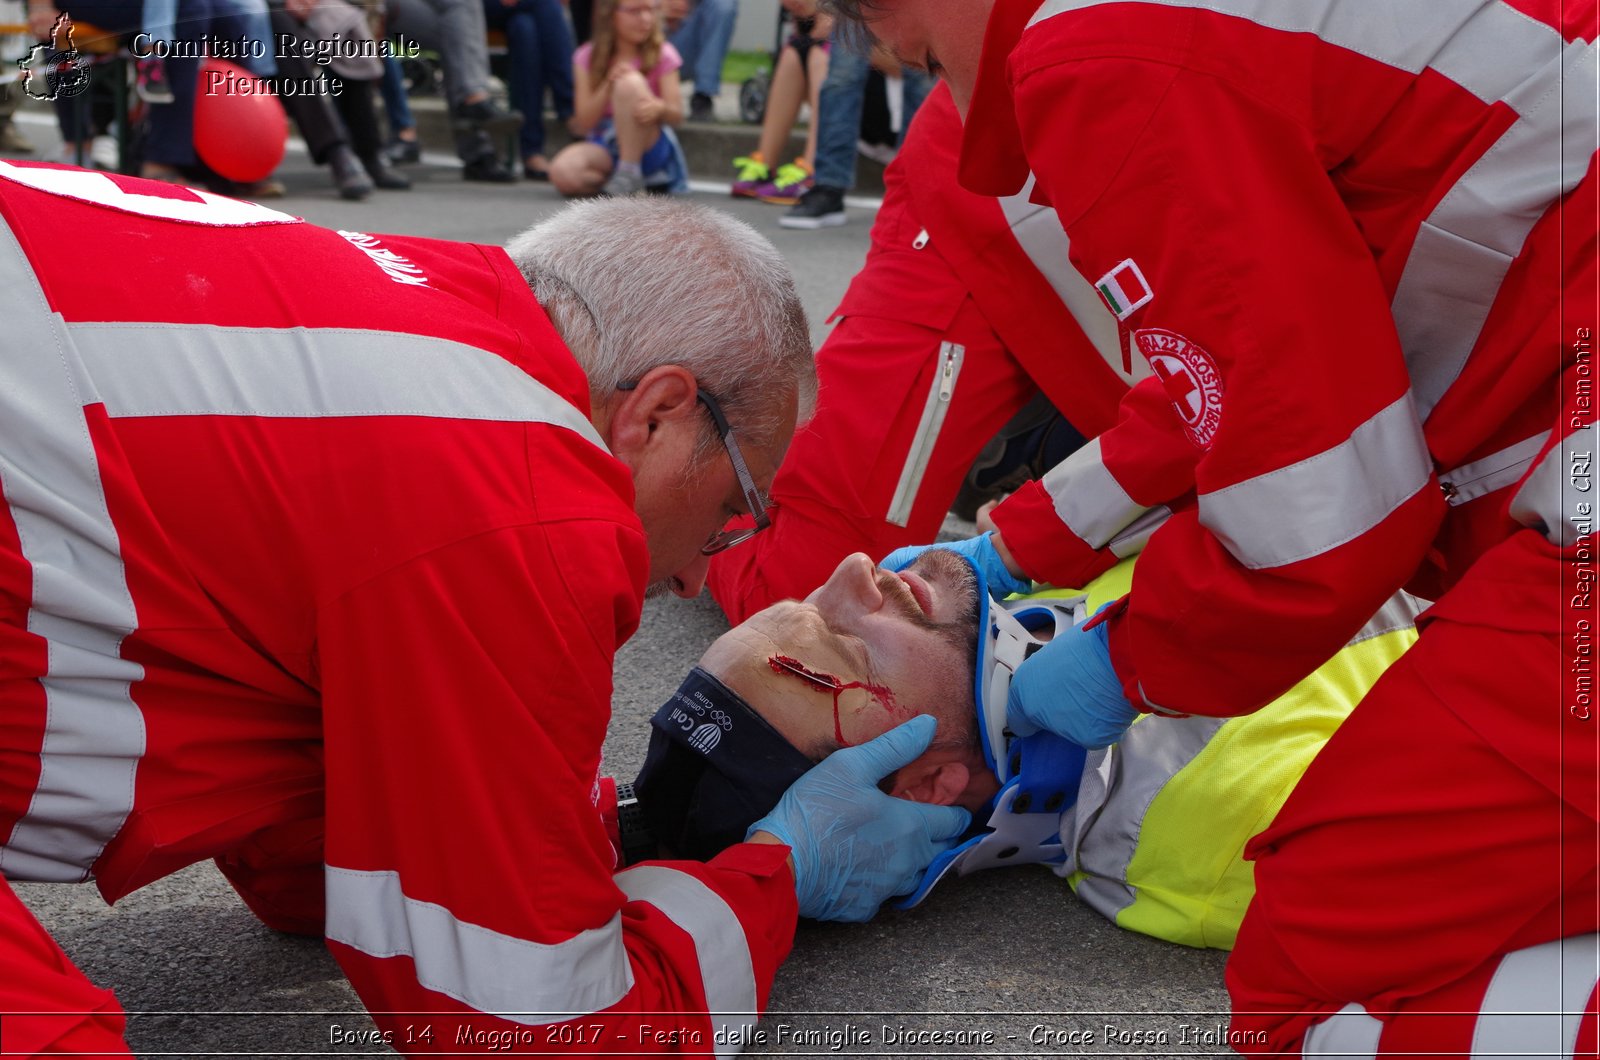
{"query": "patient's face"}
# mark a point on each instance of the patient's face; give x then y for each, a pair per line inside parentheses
(863, 653)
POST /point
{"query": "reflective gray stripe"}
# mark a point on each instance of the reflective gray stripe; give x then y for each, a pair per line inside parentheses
(1038, 232)
(1464, 248)
(525, 982)
(1130, 541)
(1350, 1032)
(1495, 471)
(1534, 1004)
(198, 370)
(1399, 612)
(725, 966)
(1560, 489)
(1488, 48)
(1116, 793)
(1323, 501)
(941, 391)
(1088, 498)
(94, 733)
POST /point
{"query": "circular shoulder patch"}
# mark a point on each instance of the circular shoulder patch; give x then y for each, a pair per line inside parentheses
(1190, 377)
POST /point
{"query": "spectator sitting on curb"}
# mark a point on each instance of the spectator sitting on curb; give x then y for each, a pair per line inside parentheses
(628, 97)
(540, 47)
(457, 31)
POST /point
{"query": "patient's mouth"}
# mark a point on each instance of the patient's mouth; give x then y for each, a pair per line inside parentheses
(919, 590)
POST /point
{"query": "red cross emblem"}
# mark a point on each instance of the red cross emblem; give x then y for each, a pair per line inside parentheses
(1190, 378)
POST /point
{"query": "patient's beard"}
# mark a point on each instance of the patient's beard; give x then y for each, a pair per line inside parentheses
(948, 571)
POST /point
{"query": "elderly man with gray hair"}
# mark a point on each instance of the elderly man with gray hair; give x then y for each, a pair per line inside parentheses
(320, 574)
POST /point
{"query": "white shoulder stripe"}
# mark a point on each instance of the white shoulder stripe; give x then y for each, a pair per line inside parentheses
(1349, 1033)
(201, 370)
(94, 734)
(1485, 46)
(525, 982)
(719, 942)
(1534, 1004)
(1325, 500)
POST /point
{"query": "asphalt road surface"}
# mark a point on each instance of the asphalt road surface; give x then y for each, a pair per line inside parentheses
(1010, 954)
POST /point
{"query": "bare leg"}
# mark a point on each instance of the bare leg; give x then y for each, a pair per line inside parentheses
(580, 169)
(634, 138)
(784, 97)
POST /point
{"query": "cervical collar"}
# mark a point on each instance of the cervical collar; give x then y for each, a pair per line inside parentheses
(1038, 774)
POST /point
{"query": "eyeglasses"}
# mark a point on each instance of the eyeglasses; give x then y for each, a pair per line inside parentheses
(723, 540)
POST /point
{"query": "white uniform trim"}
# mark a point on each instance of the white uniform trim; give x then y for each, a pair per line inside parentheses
(725, 965)
(1114, 800)
(1495, 471)
(1323, 501)
(94, 733)
(201, 370)
(1037, 230)
(1534, 1004)
(1088, 497)
(1349, 1033)
(525, 982)
(1542, 500)
(1465, 247)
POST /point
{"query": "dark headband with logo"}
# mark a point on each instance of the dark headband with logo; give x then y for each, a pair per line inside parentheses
(714, 768)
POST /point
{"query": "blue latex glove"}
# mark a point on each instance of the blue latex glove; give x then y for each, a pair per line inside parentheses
(979, 551)
(855, 847)
(1069, 688)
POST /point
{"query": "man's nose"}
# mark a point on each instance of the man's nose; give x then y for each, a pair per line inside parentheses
(852, 589)
(689, 580)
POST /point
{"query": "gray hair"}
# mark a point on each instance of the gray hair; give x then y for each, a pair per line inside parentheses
(635, 283)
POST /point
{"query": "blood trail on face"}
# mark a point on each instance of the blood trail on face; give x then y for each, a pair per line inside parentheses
(822, 682)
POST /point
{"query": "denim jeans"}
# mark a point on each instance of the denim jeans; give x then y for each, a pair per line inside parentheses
(540, 51)
(839, 124)
(703, 39)
(396, 107)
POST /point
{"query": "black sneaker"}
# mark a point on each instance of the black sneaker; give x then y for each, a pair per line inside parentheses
(821, 207)
(402, 152)
(701, 107)
(385, 176)
(485, 115)
(488, 170)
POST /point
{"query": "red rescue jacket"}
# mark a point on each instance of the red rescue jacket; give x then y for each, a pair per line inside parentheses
(289, 578)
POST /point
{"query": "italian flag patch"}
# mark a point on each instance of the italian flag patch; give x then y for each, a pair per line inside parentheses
(1123, 289)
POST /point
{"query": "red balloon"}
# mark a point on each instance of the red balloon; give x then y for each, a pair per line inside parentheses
(240, 128)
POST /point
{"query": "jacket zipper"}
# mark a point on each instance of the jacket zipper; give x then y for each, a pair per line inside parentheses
(934, 411)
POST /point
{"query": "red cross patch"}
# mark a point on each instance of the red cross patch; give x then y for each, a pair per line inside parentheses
(1191, 380)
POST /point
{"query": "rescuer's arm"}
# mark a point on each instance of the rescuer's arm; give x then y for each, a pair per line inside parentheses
(466, 696)
(1271, 330)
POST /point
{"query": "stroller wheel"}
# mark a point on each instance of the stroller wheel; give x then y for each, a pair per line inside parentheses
(753, 98)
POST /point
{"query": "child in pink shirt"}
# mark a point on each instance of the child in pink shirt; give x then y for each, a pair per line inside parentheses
(628, 97)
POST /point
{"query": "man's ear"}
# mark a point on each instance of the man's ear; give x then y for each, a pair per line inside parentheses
(663, 396)
(935, 783)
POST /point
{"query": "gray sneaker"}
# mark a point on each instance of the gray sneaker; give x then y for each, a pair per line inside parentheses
(623, 184)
